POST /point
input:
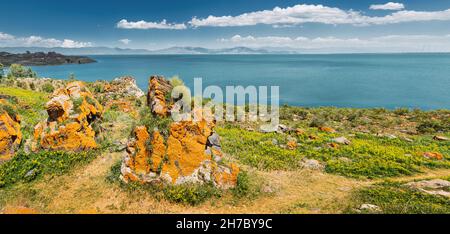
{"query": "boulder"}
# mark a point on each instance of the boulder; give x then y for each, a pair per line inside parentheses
(158, 90)
(327, 129)
(71, 112)
(370, 208)
(124, 86)
(433, 187)
(441, 138)
(341, 140)
(311, 164)
(10, 134)
(186, 152)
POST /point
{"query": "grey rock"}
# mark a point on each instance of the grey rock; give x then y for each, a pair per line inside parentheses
(370, 208)
(274, 141)
(214, 139)
(341, 140)
(31, 173)
(433, 187)
(311, 164)
(440, 138)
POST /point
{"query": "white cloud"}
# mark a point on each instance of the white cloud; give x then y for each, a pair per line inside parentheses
(5, 37)
(125, 41)
(300, 14)
(124, 24)
(67, 43)
(391, 43)
(10, 40)
(393, 6)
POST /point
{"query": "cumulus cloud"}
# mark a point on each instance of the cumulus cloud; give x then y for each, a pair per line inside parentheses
(300, 14)
(393, 6)
(125, 41)
(125, 24)
(413, 43)
(10, 40)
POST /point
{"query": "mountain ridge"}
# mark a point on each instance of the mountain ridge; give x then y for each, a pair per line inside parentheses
(126, 51)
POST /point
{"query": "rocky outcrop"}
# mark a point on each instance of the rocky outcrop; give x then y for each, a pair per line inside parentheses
(433, 187)
(158, 90)
(10, 134)
(121, 94)
(123, 87)
(71, 113)
(189, 152)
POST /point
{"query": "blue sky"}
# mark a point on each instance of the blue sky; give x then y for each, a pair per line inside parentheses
(371, 25)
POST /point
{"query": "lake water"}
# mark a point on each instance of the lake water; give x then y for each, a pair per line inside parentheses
(357, 80)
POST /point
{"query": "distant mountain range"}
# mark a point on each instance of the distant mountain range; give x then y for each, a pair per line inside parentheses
(171, 50)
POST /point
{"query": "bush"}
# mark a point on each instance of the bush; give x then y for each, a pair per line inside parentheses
(318, 122)
(19, 71)
(432, 126)
(48, 88)
(27, 167)
(2, 72)
(190, 194)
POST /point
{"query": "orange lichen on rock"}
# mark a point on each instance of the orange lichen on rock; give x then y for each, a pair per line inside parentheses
(188, 153)
(187, 156)
(333, 145)
(122, 105)
(299, 131)
(158, 88)
(10, 134)
(19, 210)
(292, 145)
(327, 129)
(71, 111)
(433, 155)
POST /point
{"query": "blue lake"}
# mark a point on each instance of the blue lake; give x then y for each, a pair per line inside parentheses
(356, 80)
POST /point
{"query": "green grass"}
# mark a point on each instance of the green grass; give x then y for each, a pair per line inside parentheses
(29, 167)
(367, 157)
(395, 198)
(30, 106)
(256, 149)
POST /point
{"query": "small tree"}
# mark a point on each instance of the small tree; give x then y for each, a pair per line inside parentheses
(19, 71)
(2, 73)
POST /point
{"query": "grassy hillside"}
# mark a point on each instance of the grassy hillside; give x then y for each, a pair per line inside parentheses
(385, 145)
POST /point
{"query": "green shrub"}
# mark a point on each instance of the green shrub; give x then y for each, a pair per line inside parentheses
(48, 88)
(248, 187)
(8, 109)
(155, 122)
(27, 167)
(19, 71)
(190, 194)
(433, 126)
(77, 103)
(318, 122)
(2, 72)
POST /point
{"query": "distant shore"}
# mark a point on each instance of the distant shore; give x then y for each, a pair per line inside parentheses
(42, 59)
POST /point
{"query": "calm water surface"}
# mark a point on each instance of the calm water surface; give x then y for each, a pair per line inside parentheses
(358, 80)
